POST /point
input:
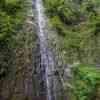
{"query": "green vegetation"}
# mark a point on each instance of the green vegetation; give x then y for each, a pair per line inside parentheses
(77, 22)
(11, 16)
(86, 83)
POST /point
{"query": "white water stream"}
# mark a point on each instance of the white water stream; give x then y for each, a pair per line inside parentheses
(47, 62)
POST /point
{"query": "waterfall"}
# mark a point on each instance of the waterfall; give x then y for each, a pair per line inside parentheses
(47, 65)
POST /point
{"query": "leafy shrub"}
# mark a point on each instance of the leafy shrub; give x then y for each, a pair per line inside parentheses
(10, 17)
(86, 79)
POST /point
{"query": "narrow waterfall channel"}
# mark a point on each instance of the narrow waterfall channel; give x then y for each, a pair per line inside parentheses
(47, 64)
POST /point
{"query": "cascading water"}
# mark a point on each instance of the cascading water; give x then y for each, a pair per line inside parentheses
(47, 61)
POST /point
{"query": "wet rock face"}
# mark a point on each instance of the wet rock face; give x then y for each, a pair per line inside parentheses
(4, 62)
(38, 98)
(5, 69)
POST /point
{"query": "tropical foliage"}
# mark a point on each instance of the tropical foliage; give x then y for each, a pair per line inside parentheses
(78, 24)
(86, 82)
(11, 15)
